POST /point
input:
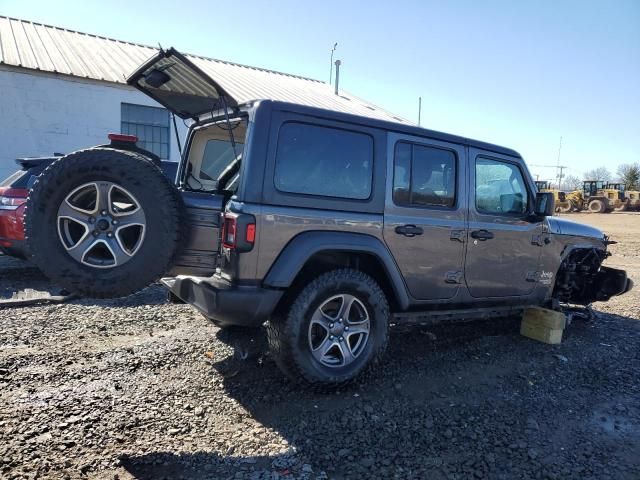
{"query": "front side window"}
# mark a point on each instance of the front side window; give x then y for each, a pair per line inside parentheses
(324, 161)
(500, 188)
(149, 124)
(424, 176)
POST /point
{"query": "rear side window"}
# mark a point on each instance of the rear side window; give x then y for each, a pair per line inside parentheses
(424, 176)
(324, 161)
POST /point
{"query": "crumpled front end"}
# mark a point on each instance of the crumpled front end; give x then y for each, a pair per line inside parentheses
(582, 279)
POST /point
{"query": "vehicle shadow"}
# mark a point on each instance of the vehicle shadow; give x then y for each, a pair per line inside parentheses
(455, 400)
(364, 430)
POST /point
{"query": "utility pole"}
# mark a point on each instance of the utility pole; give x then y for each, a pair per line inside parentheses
(335, 45)
(560, 169)
(419, 109)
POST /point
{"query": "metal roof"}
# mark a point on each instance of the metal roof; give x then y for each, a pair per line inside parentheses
(47, 48)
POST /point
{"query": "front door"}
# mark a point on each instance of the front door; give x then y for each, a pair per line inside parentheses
(503, 248)
(425, 214)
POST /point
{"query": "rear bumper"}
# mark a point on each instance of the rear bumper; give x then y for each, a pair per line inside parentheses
(225, 304)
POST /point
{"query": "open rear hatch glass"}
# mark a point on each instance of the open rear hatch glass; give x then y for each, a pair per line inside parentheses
(174, 81)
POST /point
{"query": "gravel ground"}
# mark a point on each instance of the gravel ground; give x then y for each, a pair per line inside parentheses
(136, 388)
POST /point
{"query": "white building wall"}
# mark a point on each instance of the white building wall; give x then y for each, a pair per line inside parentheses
(43, 113)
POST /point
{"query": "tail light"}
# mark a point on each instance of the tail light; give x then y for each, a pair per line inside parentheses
(12, 198)
(122, 138)
(238, 231)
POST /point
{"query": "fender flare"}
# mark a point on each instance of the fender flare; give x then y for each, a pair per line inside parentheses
(302, 247)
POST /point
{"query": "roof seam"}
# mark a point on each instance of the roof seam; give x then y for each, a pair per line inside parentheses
(46, 51)
(33, 52)
(15, 42)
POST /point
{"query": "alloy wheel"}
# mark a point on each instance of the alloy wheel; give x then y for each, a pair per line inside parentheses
(339, 330)
(101, 224)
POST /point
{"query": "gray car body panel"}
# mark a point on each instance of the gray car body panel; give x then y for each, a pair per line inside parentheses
(515, 268)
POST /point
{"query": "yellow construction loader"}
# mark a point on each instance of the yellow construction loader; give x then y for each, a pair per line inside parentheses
(562, 205)
(618, 196)
(595, 198)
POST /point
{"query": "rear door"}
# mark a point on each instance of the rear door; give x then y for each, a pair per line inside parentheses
(503, 248)
(176, 82)
(425, 214)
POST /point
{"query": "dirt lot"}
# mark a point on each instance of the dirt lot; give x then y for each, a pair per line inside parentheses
(136, 388)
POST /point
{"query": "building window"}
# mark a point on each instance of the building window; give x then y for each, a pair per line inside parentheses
(150, 125)
(324, 161)
(424, 176)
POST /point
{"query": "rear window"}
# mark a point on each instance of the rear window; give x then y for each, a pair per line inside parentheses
(218, 154)
(324, 161)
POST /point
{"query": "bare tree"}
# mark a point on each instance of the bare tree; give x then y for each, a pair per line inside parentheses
(571, 182)
(600, 173)
(630, 175)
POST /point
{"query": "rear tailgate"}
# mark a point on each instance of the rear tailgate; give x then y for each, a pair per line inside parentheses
(199, 256)
(174, 81)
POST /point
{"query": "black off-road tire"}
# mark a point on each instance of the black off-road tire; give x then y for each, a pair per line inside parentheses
(287, 333)
(159, 199)
(624, 206)
(597, 206)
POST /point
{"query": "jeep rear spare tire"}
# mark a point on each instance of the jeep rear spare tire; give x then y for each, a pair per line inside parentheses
(103, 222)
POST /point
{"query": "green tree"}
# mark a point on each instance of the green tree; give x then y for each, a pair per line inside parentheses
(630, 175)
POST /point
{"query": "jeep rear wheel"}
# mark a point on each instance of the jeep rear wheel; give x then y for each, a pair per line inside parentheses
(103, 222)
(336, 327)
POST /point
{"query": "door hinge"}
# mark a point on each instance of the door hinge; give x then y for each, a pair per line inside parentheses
(453, 277)
(458, 235)
(532, 277)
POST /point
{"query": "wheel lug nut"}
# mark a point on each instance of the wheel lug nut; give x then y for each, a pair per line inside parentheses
(109, 234)
(103, 213)
(341, 339)
(96, 233)
(331, 337)
(331, 325)
(346, 329)
(115, 222)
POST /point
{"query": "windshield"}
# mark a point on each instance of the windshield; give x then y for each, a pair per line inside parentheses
(215, 155)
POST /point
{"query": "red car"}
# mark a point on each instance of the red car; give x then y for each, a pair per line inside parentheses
(13, 195)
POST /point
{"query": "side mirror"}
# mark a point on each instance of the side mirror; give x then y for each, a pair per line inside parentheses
(545, 204)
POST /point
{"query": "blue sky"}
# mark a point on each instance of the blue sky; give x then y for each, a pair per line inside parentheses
(520, 74)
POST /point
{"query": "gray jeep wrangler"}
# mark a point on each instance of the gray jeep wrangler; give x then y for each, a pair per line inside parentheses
(326, 226)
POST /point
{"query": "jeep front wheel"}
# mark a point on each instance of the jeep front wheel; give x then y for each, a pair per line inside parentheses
(336, 327)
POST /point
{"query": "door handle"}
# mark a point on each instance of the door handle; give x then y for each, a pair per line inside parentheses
(482, 235)
(409, 230)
